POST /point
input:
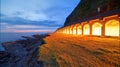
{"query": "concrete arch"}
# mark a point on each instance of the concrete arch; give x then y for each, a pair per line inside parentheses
(74, 29)
(64, 30)
(112, 27)
(97, 29)
(86, 29)
(79, 30)
(71, 30)
(67, 30)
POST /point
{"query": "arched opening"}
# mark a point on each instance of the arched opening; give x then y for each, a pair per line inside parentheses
(64, 31)
(96, 28)
(74, 30)
(112, 28)
(70, 30)
(86, 29)
(79, 30)
(67, 30)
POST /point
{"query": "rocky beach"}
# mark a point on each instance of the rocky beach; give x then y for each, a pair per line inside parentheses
(21, 53)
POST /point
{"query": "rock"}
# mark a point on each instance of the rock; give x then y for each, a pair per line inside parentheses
(27, 37)
(4, 57)
(20, 52)
(1, 47)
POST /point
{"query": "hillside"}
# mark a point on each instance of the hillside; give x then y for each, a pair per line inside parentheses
(60, 50)
(89, 8)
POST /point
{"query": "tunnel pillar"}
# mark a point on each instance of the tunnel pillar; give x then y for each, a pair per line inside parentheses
(90, 29)
(119, 25)
(82, 29)
(76, 30)
(72, 29)
(103, 29)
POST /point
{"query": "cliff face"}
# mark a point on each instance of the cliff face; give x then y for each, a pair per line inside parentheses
(89, 8)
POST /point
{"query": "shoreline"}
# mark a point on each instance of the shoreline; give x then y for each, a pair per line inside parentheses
(11, 37)
(18, 52)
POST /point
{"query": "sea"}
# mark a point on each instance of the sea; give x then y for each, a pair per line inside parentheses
(11, 36)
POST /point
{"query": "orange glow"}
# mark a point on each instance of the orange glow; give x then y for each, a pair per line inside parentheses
(64, 31)
(108, 26)
(74, 30)
(112, 28)
(79, 30)
(67, 31)
(96, 28)
(70, 30)
(86, 29)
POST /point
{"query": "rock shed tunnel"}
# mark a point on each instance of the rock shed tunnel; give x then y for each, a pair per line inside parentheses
(108, 26)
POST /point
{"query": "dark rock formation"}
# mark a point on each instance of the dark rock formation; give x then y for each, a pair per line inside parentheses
(21, 53)
(90, 8)
(4, 56)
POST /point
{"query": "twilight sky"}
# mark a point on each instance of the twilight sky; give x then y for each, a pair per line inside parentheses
(34, 15)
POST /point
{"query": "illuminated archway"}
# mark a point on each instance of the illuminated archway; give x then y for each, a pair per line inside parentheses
(86, 29)
(96, 28)
(74, 30)
(67, 30)
(70, 30)
(112, 28)
(79, 30)
(64, 31)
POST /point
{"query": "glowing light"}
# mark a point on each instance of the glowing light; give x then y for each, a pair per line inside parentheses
(86, 29)
(112, 28)
(74, 30)
(23, 31)
(70, 30)
(64, 31)
(79, 30)
(67, 31)
(96, 28)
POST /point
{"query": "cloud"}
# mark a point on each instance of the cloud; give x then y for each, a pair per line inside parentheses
(21, 21)
(39, 15)
(6, 27)
(33, 31)
(17, 24)
(38, 10)
(26, 26)
(33, 16)
(26, 31)
(10, 26)
(29, 27)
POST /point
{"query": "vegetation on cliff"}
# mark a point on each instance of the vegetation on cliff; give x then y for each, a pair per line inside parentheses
(89, 8)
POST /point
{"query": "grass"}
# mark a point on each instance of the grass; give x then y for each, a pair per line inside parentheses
(76, 51)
